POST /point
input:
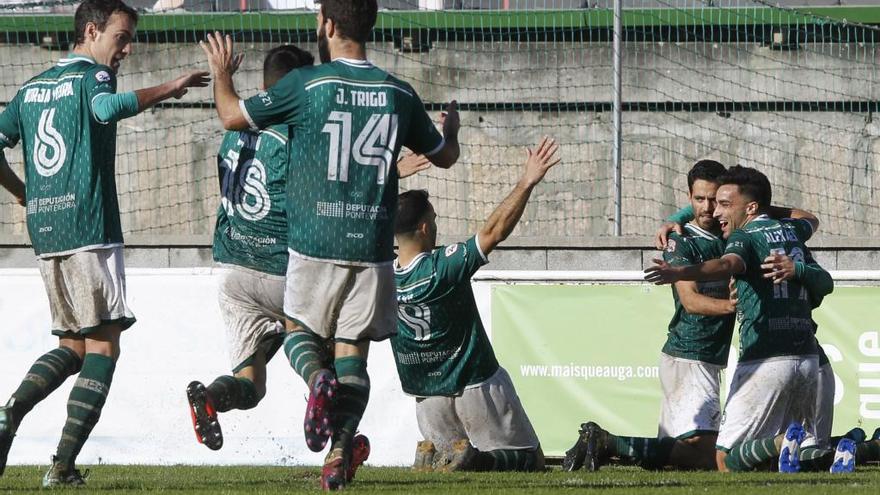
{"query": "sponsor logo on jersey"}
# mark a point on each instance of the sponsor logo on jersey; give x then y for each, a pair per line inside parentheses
(102, 76)
(451, 249)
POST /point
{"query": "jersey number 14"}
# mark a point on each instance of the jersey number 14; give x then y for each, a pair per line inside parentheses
(374, 145)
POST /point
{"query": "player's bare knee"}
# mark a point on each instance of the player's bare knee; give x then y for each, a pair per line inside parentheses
(104, 341)
(76, 344)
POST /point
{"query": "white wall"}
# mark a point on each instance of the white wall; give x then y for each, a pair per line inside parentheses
(179, 337)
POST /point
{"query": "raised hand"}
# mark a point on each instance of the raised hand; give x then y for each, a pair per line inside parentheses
(450, 120)
(539, 161)
(219, 51)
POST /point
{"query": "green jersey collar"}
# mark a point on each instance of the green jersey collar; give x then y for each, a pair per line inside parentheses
(700, 232)
(72, 58)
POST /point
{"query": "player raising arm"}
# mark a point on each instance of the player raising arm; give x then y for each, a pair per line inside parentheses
(66, 118)
(466, 405)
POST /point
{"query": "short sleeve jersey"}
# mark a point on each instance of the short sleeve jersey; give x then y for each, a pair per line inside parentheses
(441, 347)
(70, 157)
(251, 228)
(775, 319)
(349, 120)
(698, 337)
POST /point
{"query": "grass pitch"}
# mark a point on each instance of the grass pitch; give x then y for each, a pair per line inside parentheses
(610, 480)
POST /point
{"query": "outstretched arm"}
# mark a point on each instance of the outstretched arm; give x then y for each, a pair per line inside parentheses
(505, 217)
(699, 304)
(797, 213)
(112, 107)
(10, 181)
(223, 63)
(718, 269)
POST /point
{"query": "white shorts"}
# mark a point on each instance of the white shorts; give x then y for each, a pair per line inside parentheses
(86, 290)
(825, 406)
(251, 305)
(691, 397)
(342, 302)
(768, 395)
(490, 415)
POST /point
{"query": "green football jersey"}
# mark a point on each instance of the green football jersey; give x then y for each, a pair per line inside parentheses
(775, 319)
(70, 157)
(441, 346)
(251, 228)
(349, 120)
(698, 337)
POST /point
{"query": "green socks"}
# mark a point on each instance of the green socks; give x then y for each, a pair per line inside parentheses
(649, 453)
(305, 352)
(352, 396)
(45, 375)
(229, 392)
(506, 460)
(868, 451)
(816, 459)
(84, 405)
(751, 454)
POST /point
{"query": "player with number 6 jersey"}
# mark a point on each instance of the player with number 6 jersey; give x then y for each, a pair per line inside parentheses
(66, 119)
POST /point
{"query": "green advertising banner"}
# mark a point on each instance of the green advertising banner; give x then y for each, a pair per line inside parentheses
(590, 352)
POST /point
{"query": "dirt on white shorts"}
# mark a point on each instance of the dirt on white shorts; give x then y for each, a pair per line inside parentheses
(251, 304)
(489, 414)
(825, 406)
(691, 397)
(768, 395)
(86, 290)
(347, 303)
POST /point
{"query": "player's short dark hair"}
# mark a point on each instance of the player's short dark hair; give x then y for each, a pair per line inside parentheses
(283, 59)
(708, 170)
(752, 184)
(354, 18)
(412, 206)
(98, 12)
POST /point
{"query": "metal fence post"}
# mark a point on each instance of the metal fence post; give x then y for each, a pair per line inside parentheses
(617, 110)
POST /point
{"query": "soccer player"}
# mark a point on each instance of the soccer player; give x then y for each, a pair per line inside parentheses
(466, 405)
(66, 118)
(695, 352)
(775, 381)
(250, 238)
(349, 120)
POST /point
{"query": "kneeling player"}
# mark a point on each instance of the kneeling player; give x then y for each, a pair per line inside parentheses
(466, 405)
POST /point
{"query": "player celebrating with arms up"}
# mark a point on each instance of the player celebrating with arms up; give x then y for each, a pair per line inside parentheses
(466, 405)
(348, 120)
(66, 118)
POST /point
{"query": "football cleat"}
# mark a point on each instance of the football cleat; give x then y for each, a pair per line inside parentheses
(789, 452)
(316, 425)
(204, 416)
(60, 475)
(360, 452)
(597, 445)
(876, 435)
(459, 458)
(7, 433)
(334, 472)
(844, 457)
(857, 435)
(425, 452)
(574, 457)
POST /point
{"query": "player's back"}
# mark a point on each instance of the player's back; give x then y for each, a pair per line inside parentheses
(441, 346)
(353, 121)
(251, 228)
(775, 318)
(69, 159)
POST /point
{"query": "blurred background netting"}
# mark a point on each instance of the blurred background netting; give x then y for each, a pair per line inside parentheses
(789, 89)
